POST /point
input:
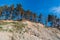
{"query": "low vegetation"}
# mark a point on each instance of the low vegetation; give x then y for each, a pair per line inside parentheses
(12, 26)
(18, 26)
(4, 23)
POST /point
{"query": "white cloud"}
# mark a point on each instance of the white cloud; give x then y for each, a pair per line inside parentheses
(55, 10)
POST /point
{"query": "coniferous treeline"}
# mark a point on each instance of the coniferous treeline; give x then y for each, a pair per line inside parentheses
(17, 13)
(55, 22)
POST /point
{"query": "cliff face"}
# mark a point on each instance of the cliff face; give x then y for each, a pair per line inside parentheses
(26, 30)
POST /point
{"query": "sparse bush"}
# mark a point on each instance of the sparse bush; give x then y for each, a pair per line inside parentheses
(4, 23)
(18, 25)
(0, 28)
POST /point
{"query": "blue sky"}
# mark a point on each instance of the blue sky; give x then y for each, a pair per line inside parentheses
(43, 6)
(52, 6)
(33, 5)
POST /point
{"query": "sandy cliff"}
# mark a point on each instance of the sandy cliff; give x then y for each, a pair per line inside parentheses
(26, 30)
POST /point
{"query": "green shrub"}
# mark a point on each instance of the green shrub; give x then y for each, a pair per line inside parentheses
(0, 28)
(18, 25)
(4, 23)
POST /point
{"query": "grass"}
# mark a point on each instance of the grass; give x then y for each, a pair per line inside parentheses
(4, 23)
(0, 28)
(18, 26)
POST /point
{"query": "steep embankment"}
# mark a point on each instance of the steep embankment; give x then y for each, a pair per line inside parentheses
(26, 30)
